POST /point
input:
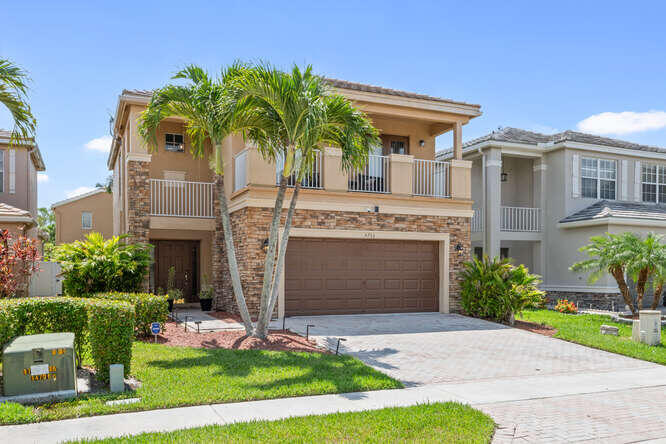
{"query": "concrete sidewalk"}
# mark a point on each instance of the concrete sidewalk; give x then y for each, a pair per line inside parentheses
(480, 394)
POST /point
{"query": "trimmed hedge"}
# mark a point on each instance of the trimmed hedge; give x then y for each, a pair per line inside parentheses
(149, 308)
(106, 327)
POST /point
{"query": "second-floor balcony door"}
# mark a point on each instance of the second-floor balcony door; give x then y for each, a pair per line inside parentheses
(395, 145)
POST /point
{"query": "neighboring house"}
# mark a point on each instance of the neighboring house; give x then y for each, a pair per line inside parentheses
(18, 186)
(388, 238)
(83, 214)
(539, 198)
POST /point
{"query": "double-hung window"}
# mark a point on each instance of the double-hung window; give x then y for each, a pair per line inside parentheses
(174, 142)
(86, 220)
(653, 182)
(598, 178)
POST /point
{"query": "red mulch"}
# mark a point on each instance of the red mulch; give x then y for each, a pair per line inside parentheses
(280, 340)
(545, 330)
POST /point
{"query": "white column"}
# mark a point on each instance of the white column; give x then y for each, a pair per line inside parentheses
(493, 188)
(539, 252)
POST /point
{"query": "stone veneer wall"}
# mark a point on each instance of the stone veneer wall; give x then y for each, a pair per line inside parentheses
(584, 300)
(250, 227)
(138, 205)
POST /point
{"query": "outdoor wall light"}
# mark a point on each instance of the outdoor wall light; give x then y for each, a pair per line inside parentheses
(504, 176)
(264, 245)
(421, 143)
(459, 248)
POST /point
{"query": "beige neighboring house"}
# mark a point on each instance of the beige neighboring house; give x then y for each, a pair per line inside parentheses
(19, 165)
(538, 198)
(390, 237)
(83, 214)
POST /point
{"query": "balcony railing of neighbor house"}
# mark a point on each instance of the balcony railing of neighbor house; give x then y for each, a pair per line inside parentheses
(311, 180)
(477, 220)
(181, 198)
(240, 170)
(431, 178)
(373, 177)
(520, 219)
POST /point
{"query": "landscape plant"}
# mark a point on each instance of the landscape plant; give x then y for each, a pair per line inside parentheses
(97, 265)
(566, 306)
(13, 95)
(19, 259)
(498, 290)
(148, 308)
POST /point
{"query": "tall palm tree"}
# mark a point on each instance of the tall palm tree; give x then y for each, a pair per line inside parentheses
(611, 254)
(648, 258)
(293, 116)
(202, 101)
(13, 95)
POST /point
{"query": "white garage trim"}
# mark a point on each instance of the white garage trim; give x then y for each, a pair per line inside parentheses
(442, 238)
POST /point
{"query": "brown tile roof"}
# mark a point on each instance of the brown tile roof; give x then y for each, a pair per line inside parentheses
(10, 212)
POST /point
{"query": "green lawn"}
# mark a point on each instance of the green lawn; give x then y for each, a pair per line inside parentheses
(446, 422)
(584, 329)
(179, 376)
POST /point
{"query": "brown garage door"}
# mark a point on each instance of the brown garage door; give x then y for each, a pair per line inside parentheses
(342, 276)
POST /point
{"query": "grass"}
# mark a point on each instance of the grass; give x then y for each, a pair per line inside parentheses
(16, 413)
(442, 422)
(181, 376)
(584, 329)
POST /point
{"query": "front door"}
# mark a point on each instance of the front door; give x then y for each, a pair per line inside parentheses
(395, 144)
(184, 257)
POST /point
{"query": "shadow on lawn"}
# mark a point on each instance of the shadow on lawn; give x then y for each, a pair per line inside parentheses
(345, 373)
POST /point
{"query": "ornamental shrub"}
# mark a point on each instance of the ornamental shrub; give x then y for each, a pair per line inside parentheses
(97, 265)
(566, 306)
(496, 289)
(19, 259)
(97, 324)
(110, 334)
(149, 308)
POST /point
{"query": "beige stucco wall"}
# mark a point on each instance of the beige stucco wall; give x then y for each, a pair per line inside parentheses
(25, 195)
(68, 217)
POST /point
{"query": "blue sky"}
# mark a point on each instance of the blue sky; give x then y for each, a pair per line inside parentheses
(544, 66)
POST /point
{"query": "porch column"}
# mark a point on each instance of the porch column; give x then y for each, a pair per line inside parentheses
(138, 206)
(401, 174)
(334, 178)
(457, 141)
(539, 201)
(493, 186)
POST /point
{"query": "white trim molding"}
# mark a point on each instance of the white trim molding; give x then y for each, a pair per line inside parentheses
(443, 240)
(634, 222)
(138, 157)
(580, 289)
(12, 171)
(493, 163)
(624, 179)
(540, 167)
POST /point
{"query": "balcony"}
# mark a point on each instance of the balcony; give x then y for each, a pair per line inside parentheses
(181, 198)
(512, 219)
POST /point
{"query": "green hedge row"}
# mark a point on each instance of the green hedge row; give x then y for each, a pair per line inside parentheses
(105, 326)
(149, 308)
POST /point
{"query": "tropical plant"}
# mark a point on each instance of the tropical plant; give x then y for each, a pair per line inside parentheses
(658, 281)
(47, 226)
(647, 261)
(95, 265)
(19, 259)
(206, 289)
(13, 95)
(173, 293)
(107, 184)
(566, 306)
(497, 289)
(611, 253)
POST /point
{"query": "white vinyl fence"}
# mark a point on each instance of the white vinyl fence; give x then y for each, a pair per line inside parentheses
(46, 281)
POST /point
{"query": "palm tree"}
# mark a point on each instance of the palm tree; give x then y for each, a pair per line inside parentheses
(13, 95)
(293, 116)
(648, 257)
(209, 115)
(611, 254)
(658, 282)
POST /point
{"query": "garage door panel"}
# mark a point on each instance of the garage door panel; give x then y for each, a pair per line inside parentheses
(344, 276)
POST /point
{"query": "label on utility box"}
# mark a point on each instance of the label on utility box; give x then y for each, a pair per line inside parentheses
(40, 369)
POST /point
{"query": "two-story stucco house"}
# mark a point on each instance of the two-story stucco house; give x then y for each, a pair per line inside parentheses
(539, 198)
(81, 215)
(388, 238)
(19, 165)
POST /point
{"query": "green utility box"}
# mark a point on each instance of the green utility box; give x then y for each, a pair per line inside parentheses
(39, 364)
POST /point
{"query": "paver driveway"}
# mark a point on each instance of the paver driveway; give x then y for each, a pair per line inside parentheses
(431, 348)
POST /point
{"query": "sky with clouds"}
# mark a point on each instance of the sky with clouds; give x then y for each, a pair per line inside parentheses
(596, 66)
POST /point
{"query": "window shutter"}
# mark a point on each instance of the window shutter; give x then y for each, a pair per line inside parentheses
(638, 188)
(575, 176)
(12, 171)
(624, 180)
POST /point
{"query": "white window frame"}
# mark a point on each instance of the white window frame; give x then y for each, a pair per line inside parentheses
(657, 183)
(597, 177)
(83, 220)
(175, 147)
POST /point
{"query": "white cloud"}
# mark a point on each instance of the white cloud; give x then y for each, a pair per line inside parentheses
(78, 191)
(623, 123)
(42, 178)
(102, 144)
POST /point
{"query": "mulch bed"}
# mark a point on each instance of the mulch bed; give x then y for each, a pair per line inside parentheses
(545, 330)
(279, 340)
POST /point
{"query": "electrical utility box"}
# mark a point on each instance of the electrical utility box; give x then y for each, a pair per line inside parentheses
(37, 364)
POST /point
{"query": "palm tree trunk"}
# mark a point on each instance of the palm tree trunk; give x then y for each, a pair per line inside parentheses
(618, 274)
(229, 243)
(263, 323)
(269, 263)
(640, 286)
(656, 297)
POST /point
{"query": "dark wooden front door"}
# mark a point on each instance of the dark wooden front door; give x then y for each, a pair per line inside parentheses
(344, 276)
(395, 144)
(184, 256)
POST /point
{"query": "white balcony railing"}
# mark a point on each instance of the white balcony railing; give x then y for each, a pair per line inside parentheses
(311, 180)
(431, 178)
(520, 219)
(373, 178)
(180, 198)
(477, 221)
(240, 170)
